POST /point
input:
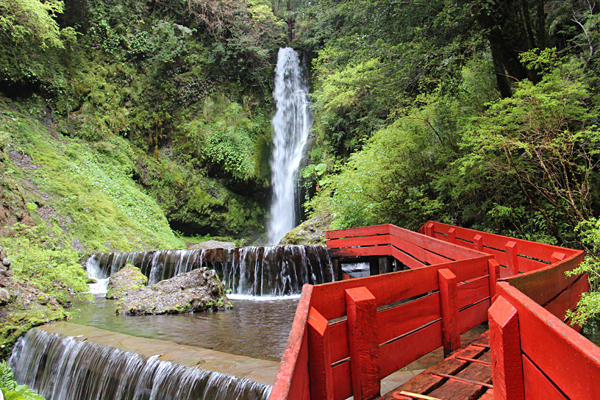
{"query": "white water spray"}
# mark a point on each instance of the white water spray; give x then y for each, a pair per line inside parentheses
(291, 125)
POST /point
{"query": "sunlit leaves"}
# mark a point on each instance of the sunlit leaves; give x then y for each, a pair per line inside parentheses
(25, 19)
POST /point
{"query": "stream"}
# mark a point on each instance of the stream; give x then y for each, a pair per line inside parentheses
(255, 327)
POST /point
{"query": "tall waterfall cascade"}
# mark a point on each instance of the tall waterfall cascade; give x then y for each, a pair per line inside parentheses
(255, 271)
(291, 126)
(64, 368)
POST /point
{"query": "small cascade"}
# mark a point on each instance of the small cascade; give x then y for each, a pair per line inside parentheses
(63, 368)
(256, 271)
(291, 126)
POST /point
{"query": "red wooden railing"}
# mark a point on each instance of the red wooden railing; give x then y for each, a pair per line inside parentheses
(413, 250)
(514, 255)
(384, 322)
(535, 354)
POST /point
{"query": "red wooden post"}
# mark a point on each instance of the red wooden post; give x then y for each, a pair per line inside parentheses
(507, 365)
(452, 235)
(556, 257)
(363, 342)
(321, 384)
(494, 272)
(429, 229)
(449, 306)
(512, 259)
(292, 379)
(478, 241)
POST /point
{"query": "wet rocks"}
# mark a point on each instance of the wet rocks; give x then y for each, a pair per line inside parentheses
(310, 232)
(5, 297)
(195, 291)
(22, 306)
(128, 279)
(4, 265)
(211, 244)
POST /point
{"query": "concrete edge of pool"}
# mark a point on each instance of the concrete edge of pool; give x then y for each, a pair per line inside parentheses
(257, 370)
(254, 369)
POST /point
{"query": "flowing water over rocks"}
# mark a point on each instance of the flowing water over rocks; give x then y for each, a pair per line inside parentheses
(291, 126)
(256, 271)
(64, 368)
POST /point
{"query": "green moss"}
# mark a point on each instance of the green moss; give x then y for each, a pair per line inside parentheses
(128, 279)
(17, 322)
(85, 191)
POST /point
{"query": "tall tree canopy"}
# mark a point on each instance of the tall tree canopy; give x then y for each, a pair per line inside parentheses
(408, 103)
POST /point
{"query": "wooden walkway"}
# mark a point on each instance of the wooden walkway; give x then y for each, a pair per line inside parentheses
(465, 375)
(425, 290)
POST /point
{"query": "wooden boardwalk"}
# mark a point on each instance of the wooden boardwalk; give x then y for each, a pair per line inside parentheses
(465, 375)
(425, 290)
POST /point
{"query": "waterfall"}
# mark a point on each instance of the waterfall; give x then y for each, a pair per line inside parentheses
(256, 270)
(291, 125)
(64, 368)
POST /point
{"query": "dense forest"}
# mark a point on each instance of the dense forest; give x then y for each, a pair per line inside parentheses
(124, 121)
(481, 114)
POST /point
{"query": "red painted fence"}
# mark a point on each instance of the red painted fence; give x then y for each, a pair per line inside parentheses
(535, 354)
(348, 335)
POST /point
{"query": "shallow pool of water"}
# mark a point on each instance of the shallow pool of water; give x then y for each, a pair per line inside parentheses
(252, 328)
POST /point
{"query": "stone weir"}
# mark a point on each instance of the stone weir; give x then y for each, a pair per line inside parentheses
(102, 365)
(256, 271)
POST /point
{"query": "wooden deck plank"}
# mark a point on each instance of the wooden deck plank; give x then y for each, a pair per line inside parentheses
(486, 357)
(449, 366)
(483, 340)
(457, 390)
(432, 382)
(470, 351)
(425, 382)
(422, 383)
(477, 372)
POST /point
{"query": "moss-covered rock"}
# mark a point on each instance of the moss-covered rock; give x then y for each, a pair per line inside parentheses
(23, 307)
(195, 291)
(128, 279)
(310, 232)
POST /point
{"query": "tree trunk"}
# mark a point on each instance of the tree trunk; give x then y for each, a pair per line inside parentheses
(510, 33)
(290, 21)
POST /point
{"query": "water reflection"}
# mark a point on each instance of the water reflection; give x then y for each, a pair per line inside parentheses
(256, 329)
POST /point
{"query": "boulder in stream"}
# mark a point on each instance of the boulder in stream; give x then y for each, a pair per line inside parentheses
(195, 291)
(311, 232)
(128, 279)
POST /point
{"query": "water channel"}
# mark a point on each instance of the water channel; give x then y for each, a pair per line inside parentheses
(253, 328)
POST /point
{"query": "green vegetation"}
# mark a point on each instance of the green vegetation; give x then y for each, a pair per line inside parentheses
(120, 123)
(479, 114)
(125, 120)
(63, 198)
(187, 84)
(83, 190)
(10, 389)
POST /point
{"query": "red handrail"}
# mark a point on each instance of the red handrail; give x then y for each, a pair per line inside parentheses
(386, 321)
